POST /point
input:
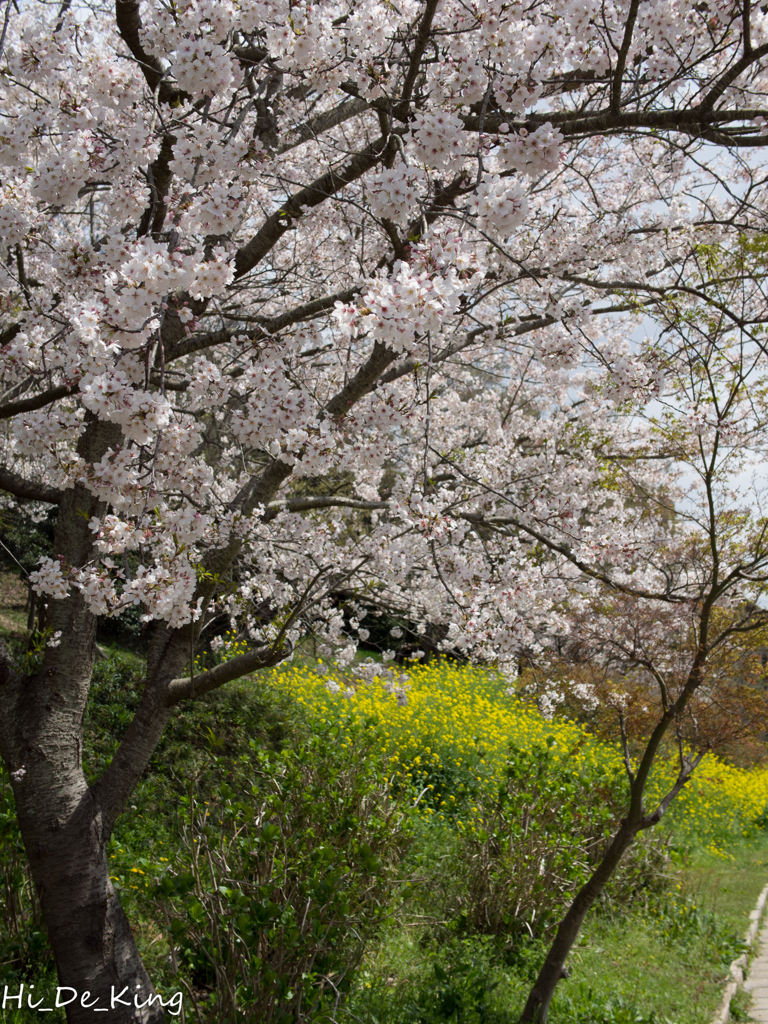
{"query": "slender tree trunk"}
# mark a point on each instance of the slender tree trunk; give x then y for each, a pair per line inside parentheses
(537, 1007)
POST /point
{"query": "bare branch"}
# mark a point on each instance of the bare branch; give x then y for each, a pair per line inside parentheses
(625, 748)
(565, 551)
(683, 778)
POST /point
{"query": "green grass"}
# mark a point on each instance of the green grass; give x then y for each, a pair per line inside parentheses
(730, 888)
(13, 599)
(676, 969)
(630, 968)
(634, 960)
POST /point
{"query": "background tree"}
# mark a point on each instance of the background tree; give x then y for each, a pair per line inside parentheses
(256, 243)
(665, 575)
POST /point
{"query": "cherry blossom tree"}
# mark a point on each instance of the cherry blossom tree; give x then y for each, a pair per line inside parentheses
(665, 575)
(249, 246)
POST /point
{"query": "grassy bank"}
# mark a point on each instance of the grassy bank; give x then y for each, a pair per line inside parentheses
(662, 960)
(433, 820)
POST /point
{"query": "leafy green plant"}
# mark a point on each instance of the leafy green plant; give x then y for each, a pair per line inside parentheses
(682, 922)
(462, 990)
(584, 1007)
(288, 881)
(740, 1007)
(456, 979)
(530, 842)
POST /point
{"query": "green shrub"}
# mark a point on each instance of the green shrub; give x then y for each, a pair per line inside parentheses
(287, 882)
(531, 842)
(223, 721)
(453, 979)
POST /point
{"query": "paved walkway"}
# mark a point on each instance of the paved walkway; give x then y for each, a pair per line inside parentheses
(757, 982)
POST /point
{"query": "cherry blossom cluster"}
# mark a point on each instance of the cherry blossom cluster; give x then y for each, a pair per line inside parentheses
(501, 206)
(532, 153)
(438, 139)
(394, 193)
(145, 273)
(165, 591)
(402, 305)
(193, 34)
(140, 413)
(49, 579)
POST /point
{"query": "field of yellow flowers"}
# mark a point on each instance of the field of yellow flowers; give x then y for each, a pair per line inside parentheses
(445, 727)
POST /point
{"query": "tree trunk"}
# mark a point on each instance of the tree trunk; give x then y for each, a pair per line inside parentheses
(64, 833)
(537, 1007)
(65, 838)
(95, 953)
(61, 818)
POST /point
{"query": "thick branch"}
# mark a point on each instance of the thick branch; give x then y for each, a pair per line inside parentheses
(320, 123)
(696, 122)
(419, 46)
(692, 683)
(362, 382)
(38, 401)
(322, 188)
(119, 778)
(267, 325)
(746, 29)
(7, 334)
(309, 309)
(324, 501)
(187, 689)
(31, 489)
(729, 77)
(159, 179)
(621, 60)
(128, 21)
